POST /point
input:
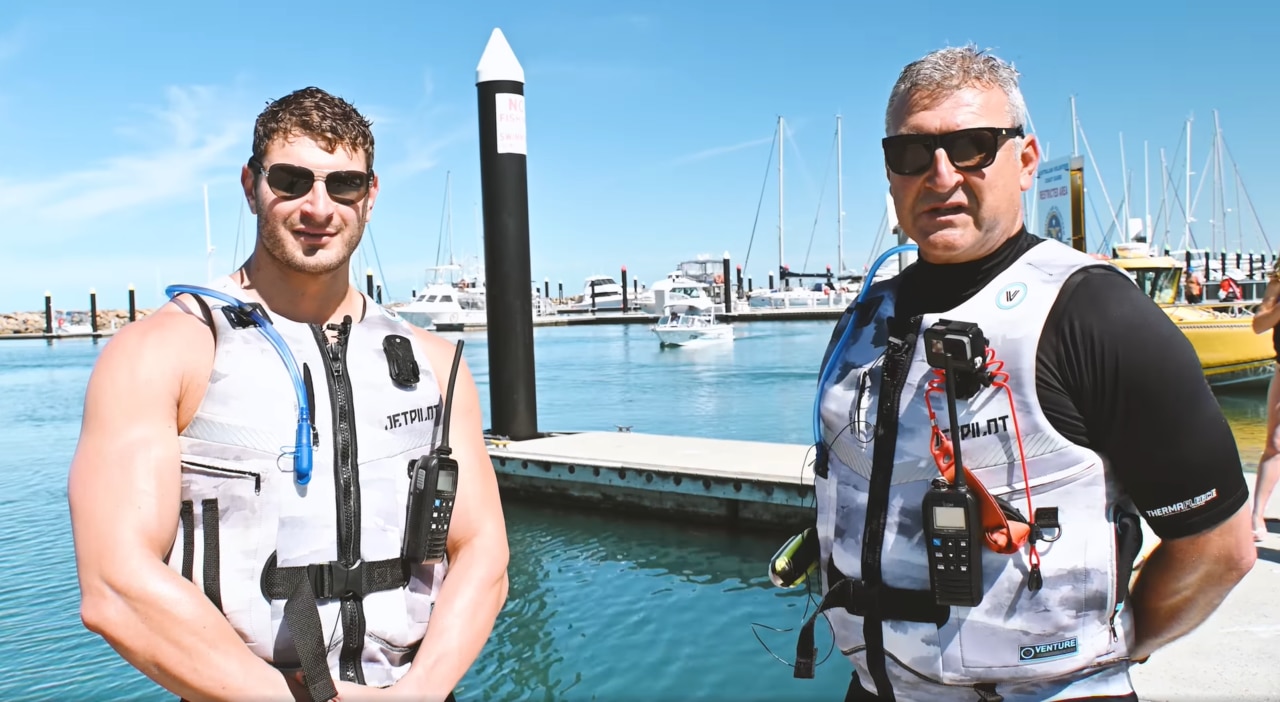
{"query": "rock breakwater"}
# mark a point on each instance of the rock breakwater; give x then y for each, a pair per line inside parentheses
(33, 322)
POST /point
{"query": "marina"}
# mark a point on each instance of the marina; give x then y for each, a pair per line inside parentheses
(672, 583)
(652, 442)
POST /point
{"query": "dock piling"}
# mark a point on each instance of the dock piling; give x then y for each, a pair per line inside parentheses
(727, 283)
(133, 305)
(504, 187)
(624, 289)
(93, 311)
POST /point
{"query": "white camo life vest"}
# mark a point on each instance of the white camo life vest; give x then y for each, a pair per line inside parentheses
(242, 508)
(1076, 623)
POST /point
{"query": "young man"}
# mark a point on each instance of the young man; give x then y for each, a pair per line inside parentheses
(211, 555)
(1068, 420)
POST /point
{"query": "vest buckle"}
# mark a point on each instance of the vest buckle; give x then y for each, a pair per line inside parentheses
(334, 580)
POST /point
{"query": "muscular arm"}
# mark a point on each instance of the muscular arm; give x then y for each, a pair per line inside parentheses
(1268, 314)
(1115, 374)
(475, 587)
(124, 489)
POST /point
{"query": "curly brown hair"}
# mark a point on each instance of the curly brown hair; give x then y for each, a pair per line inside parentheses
(312, 112)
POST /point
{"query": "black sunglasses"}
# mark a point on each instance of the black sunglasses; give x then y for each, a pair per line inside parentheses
(968, 149)
(291, 182)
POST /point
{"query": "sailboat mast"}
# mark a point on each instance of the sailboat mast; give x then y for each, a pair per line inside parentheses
(1146, 198)
(1124, 180)
(839, 202)
(1186, 195)
(1219, 193)
(1164, 195)
(448, 199)
(781, 257)
(208, 237)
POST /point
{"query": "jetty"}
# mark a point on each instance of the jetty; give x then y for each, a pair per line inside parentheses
(744, 484)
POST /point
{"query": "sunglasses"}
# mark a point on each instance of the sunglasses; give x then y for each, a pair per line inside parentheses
(968, 149)
(291, 182)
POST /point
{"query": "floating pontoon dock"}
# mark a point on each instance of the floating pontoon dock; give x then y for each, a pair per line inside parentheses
(746, 484)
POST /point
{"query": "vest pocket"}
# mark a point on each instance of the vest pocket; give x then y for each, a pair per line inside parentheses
(1015, 634)
(220, 521)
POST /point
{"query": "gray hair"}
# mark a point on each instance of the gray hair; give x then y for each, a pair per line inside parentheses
(948, 70)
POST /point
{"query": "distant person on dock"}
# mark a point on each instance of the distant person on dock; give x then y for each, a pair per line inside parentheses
(1195, 286)
(1229, 289)
(239, 536)
(1267, 318)
(1082, 411)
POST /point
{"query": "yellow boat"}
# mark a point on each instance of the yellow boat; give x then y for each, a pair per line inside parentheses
(1221, 332)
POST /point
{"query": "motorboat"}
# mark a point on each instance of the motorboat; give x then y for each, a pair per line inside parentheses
(691, 322)
(673, 289)
(599, 292)
(441, 304)
(1221, 332)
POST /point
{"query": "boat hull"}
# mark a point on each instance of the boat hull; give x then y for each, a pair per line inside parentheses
(696, 336)
(1230, 353)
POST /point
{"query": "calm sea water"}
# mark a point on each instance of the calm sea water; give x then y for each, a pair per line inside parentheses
(600, 608)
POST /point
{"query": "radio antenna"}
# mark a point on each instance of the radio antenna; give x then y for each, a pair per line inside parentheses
(955, 424)
(444, 449)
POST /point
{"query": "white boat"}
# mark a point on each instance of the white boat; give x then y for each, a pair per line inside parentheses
(691, 322)
(444, 304)
(669, 291)
(608, 295)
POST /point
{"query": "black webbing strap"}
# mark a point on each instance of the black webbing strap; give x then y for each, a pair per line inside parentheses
(212, 562)
(860, 599)
(333, 580)
(188, 517)
(301, 586)
(303, 619)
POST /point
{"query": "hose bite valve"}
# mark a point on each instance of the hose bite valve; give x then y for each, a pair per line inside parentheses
(796, 560)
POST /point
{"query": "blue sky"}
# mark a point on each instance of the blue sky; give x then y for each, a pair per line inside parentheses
(649, 124)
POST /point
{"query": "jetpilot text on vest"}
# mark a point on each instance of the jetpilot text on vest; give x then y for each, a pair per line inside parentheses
(412, 416)
(981, 427)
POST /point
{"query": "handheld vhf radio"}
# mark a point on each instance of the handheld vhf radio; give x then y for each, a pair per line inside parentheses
(433, 484)
(952, 518)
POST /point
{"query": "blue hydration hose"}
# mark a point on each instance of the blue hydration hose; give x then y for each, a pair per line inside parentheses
(836, 352)
(302, 441)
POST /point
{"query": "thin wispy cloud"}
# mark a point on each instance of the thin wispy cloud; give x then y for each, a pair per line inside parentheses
(720, 151)
(425, 131)
(181, 144)
(13, 41)
(421, 154)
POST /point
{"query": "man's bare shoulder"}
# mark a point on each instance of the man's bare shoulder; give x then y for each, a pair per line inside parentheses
(171, 333)
(170, 350)
(440, 352)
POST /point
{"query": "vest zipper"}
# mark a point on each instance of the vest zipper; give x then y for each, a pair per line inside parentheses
(257, 478)
(347, 489)
(896, 365)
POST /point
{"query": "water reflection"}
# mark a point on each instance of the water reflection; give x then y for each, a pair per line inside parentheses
(1246, 412)
(590, 599)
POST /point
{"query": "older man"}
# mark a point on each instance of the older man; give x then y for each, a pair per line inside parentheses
(1013, 585)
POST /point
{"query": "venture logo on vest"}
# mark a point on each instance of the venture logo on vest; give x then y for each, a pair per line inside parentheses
(1057, 649)
(1011, 295)
(413, 416)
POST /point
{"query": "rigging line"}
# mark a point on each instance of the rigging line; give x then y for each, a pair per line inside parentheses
(1183, 208)
(377, 260)
(440, 234)
(1240, 179)
(881, 228)
(768, 163)
(795, 154)
(235, 251)
(826, 173)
